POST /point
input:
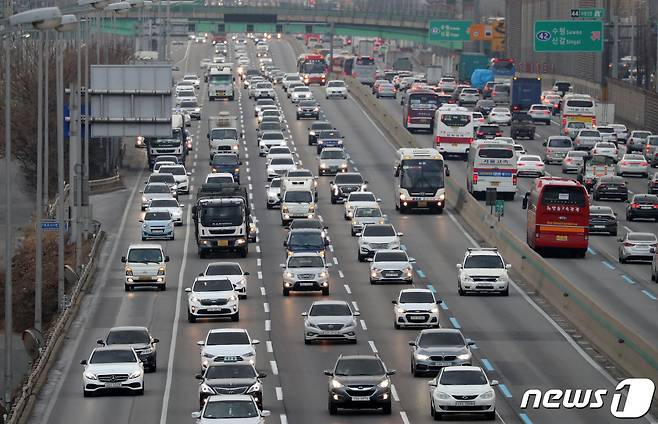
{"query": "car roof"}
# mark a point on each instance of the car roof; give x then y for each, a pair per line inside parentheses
(223, 263)
(440, 330)
(209, 278)
(377, 358)
(129, 328)
(305, 230)
(329, 302)
(305, 254)
(227, 330)
(482, 252)
(113, 347)
(463, 368)
(415, 291)
(145, 246)
(229, 398)
(600, 209)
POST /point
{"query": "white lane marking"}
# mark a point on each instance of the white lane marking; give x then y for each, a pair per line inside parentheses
(279, 393)
(284, 419)
(347, 289)
(194, 164)
(335, 260)
(331, 247)
(174, 330)
(94, 298)
(268, 346)
(268, 325)
(340, 274)
(394, 393)
(260, 275)
(404, 417)
(258, 262)
(258, 249)
(196, 156)
(275, 368)
(355, 305)
(372, 346)
(251, 187)
(262, 291)
(363, 325)
(266, 307)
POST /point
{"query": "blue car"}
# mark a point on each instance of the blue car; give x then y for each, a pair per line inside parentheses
(157, 225)
(228, 163)
(328, 138)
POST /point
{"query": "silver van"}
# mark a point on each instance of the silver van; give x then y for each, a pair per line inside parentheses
(556, 148)
(651, 150)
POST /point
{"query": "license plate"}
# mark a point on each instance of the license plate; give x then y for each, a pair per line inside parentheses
(305, 284)
(416, 318)
(222, 243)
(561, 238)
(158, 231)
(112, 385)
(599, 226)
(361, 398)
(495, 183)
(442, 363)
(464, 403)
(214, 308)
(230, 358)
(422, 204)
(646, 207)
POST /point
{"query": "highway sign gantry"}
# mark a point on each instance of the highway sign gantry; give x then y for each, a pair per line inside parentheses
(444, 30)
(568, 36)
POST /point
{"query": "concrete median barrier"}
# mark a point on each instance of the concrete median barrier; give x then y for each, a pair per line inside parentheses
(637, 356)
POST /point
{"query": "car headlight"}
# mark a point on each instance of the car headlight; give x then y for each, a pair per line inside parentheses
(136, 374)
(284, 208)
(336, 384)
(233, 298)
(145, 199)
(400, 309)
(323, 165)
(311, 209)
(313, 325)
(464, 356)
(384, 384)
(467, 278)
(422, 357)
(299, 109)
(311, 133)
(290, 275)
(487, 395)
(207, 389)
(343, 165)
(147, 351)
(435, 309)
(442, 196)
(317, 109)
(324, 274)
(129, 271)
(443, 396)
(208, 355)
(255, 388)
(90, 375)
(161, 270)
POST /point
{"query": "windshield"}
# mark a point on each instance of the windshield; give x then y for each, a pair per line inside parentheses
(641, 237)
(361, 197)
(272, 136)
(378, 231)
(227, 215)
(321, 126)
(559, 142)
(227, 338)
(305, 262)
(360, 366)
(230, 371)
(604, 160)
(332, 154)
(263, 85)
(483, 261)
(164, 142)
(368, 212)
(128, 337)
(326, 134)
(224, 409)
(157, 216)
(299, 173)
(493, 153)
(349, 179)
(306, 239)
(441, 339)
(223, 133)
(162, 178)
(463, 378)
(396, 256)
(225, 160)
(212, 286)
(580, 103)
(163, 203)
(313, 67)
(282, 161)
(145, 255)
(416, 297)
(456, 120)
(585, 133)
(270, 126)
(112, 356)
(330, 310)
(275, 183)
(336, 84)
(298, 197)
(157, 188)
(220, 79)
(224, 269)
(423, 101)
(641, 134)
(173, 170)
(301, 89)
(422, 175)
(219, 180)
(189, 103)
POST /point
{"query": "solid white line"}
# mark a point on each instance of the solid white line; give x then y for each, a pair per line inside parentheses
(262, 291)
(260, 275)
(340, 274)
(394, 393)
(279, 393)
(268, 325)
(268, 346)
(95, 297)
(404, 417)
(331, 247)
(174, 330)
(266, 307)
(347, 289)
(275, 368)
(372, 346)
(363, 325)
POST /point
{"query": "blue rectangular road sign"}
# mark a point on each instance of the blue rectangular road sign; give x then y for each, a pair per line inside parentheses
(50, 225)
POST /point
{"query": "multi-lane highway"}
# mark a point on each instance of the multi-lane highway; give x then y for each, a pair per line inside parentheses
(516, 343)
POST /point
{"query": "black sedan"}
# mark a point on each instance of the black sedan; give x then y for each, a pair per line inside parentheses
(602, 219)
(642, 206)
(610, 187)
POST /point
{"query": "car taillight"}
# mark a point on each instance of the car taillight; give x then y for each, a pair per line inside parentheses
(409, 119)
(514, 179)
(624, 163)
(499, 133)
(603, 186)
(475, 178)
(480, 133)
(520, 163)
(655, 206)
(627, 244)
(635, 205)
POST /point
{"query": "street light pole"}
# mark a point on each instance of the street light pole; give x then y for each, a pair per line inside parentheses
(60, 170)
(38, 275)
(8, 234)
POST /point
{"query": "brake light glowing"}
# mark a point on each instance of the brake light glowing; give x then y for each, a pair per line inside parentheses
(635, 205)
(514, 179)
(475, 178)
(627, 244)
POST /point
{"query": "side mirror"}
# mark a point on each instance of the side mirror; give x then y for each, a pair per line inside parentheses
(156, 340)
(140, 220)
(188, 290)
(357, 234)
(412, 343)
(304, 314)
(262, 375)
(326, 242)
(326, 372)
(265, 413)
(400, 234)
(619, 239)
(201, 274)
(494, 382)
(201, 343)
(459, 266)
(255, 342)
(439, 301)
(470, 342)
(391, 372)
(431, 383)
(285, 243)
(188, 174)
(508, 266)
(544, 144)
(652, 250)
(83, 362)
(198, 377)
(329, 265)
(370, 259)
(447, 171)
(196, 415)
(166, 258)
(524, 204)
(123, 259)
(282, 265)
(246, 273)
(356, 314)
(412, 260)
(208, 135)
(395, 302)
(100, 342)
(379, 200)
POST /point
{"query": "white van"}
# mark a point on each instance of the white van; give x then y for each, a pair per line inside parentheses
(297, 204)
(145, 265)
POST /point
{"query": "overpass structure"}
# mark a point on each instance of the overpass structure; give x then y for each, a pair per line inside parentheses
(394, 24)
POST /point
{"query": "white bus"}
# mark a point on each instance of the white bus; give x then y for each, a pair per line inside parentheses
(579, 108)
(491, 163)
(453, 130)
(420, 180)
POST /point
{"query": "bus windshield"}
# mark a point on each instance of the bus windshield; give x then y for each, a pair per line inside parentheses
(456, 120)
(313, 67)
(220, 79)
(421, 175)
(423, 101)
(571, 196)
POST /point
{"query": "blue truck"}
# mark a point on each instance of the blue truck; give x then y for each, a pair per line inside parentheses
(525, 92)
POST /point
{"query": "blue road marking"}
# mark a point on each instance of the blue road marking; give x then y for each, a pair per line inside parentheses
(505, 390)
(475, 346)
(444, 305)
(525, 419)
(455, 323)
(487, 365)
(431, 288)
(628, 279)
(650, 295)
(608, 264)
(591, 251)
(420, 273)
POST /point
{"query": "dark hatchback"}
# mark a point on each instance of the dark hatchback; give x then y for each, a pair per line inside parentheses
(139, 339)
(642, 206)
(359, 382)
(610, 187)
(488, 132)
(308, 109)
(226, 162)
(602, 219)
(328, 138)
(344, 184)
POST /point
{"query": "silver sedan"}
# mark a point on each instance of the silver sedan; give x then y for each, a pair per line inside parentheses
(634, 164)
(636, 246)
(330, 320)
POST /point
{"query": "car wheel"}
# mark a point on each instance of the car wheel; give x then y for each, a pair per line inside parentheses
(333, 200)
(127, 287)
(396, 325)
(386, 409)
(490, 415)
(436, 415)
(361, 258)
(235, 317)
(622, 260)
(286, 291)
(653, 276)
(190, 318)
(268, 206)
(325, 291)
(154, 367)
(143, 238)
(140, 392)
(629, 218)
(163, 287)
(460, 290)
(505, 292)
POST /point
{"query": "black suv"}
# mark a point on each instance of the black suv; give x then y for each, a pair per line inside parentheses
(308, 109)
(488, 131)
(231, 378)
(139, 339)
(344, 184)
(315, 128)
(359, 381)
(522, 126)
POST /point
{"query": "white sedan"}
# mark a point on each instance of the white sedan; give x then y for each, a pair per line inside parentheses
(500, 116)
(453, 382)
(105, 364)
(530, 165)
(170, 205)
(196, 81)
(634, 164)
(606, 148)
(336, 88)
(301, 93)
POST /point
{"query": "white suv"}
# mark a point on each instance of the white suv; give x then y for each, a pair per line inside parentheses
(211, 297)
(336, 88)
(145, 266)
(297, 204)
(483, 270)
(416, 308)
(376, 237)
(227, 344)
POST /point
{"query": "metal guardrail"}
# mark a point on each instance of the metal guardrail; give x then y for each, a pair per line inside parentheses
(105, 184)
(24, 403)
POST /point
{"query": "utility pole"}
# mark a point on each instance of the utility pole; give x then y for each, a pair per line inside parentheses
(78, 153)
(60, 172)
(615, 46)
(38, 275)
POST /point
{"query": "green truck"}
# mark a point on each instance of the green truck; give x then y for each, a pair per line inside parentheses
(469, 62)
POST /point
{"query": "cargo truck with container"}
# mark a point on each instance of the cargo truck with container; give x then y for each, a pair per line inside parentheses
(468, 62)
(433, 74)
(223, 135)
(524, 92)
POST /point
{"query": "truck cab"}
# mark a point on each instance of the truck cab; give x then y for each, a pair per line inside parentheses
(223, 136)
(221, 83)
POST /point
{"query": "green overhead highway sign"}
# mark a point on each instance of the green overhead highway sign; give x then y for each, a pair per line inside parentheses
(568, 36)
(588, 13)
(449, 30)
